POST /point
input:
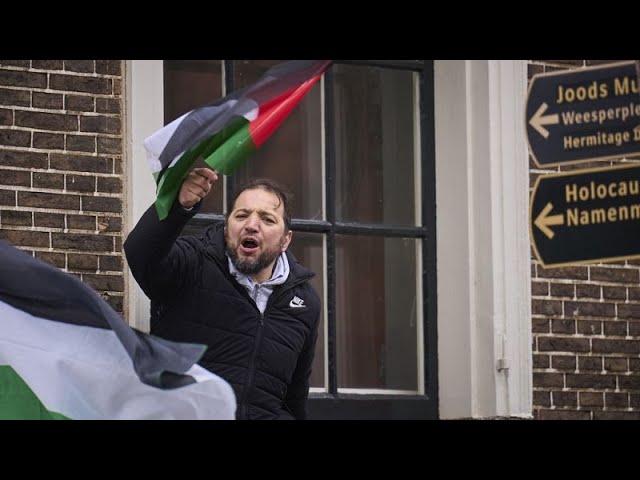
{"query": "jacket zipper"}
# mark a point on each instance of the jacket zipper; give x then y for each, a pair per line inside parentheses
(256, 345)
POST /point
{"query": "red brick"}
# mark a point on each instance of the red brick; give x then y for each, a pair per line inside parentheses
(16, 217)
(563, 344)
(616, 364)
(542, 398)
(589, 309)
(546, 307)
(616, 415)
(614, 293)
(111, 263)
(112, 283)
(617, 329)
(6, 116)
(544, 379)
(53, 258)
(110, 184)
(52, 101)
(16, 63)
(565, 399)
(101, 204)
(48, 200)
(564, 415)
(76, 83)
(21, 79)
(559, 325)
(115, 301)
(108, 105)
(622, 275)
(81, 222)
(15, 138)
(78, 241)
(109, 67)
(55, 220)
(584, 380)
(562, 290)
(25, 238)
(605, 345)
(19, 98)
(591, 399)
(8, 197)
(47, 64)
(81, 143)
(48, 141)
(101, 124)
(578, 273)
(15, 177)
(591, 364)
(47, 121)
(539, 288)
(79, 103)
(110, 145)
(82, 66)
(629, 310)
(540, 325)
(629, 382)
(541, 361)
(78, 261)
(81, 183)
(588, 291)
(563, 362)
(109, 224)
(616, 400)
(81, 163)
(48, 180)
(589, 327)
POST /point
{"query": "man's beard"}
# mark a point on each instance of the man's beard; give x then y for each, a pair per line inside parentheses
(249, 266)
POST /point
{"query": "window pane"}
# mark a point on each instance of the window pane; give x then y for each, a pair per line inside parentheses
(308, 249)
(374, 118)
(189, 84)
(376, 302)
(293, 154)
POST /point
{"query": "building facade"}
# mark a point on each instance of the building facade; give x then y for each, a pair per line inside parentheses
(411, 182)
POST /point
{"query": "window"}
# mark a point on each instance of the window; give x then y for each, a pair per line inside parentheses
(357, 153)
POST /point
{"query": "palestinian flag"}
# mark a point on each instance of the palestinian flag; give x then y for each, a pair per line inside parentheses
(224, 133)
(65, 353)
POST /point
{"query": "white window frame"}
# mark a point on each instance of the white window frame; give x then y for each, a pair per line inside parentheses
(483, 250)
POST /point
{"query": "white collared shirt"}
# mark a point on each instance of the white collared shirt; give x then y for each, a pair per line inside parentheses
(260, 292)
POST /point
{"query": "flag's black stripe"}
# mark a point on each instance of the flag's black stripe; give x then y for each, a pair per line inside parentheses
(207, 120)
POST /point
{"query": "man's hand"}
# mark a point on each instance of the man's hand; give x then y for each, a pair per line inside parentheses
(196, 186)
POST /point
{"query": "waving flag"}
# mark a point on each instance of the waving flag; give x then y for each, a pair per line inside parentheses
(65, 353)
(224, 133)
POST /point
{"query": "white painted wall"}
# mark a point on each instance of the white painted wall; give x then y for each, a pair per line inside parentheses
(482, 175)
(144, 113)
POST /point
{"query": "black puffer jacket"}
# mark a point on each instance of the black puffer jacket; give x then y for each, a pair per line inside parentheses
(265, 357)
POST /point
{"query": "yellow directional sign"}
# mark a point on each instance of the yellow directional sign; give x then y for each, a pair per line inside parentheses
(584, 114)
(586, 216)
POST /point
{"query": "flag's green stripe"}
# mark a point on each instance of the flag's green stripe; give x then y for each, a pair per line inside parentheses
(230, 155)
(171, 181)
(17, 400)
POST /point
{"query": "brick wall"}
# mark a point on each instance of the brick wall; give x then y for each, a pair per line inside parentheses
(586, 325)
(61, 166)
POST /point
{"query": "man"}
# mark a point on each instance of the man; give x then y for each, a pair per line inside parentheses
(236, 289)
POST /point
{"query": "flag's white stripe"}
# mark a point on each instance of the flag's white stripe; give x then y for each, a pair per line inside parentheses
(85, 373)
(158, 140)
(252, 115)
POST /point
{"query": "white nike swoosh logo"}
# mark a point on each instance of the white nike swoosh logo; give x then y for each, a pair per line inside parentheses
(295, 305)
